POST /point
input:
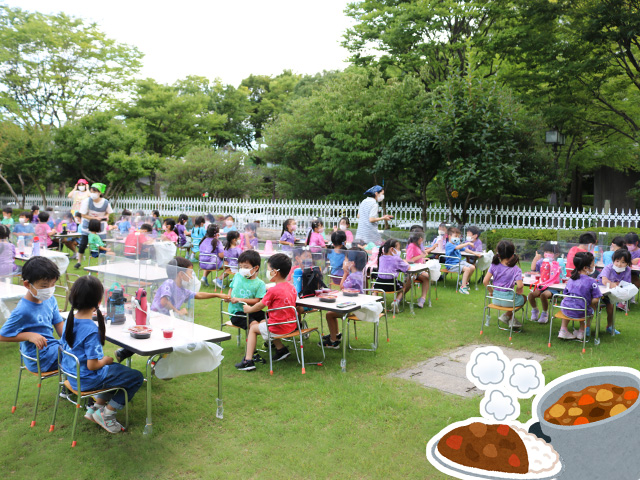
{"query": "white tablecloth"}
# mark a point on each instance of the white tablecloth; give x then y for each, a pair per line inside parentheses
(10, 295)
(59, 258)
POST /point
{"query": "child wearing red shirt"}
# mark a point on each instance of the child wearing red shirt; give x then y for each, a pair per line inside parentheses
(135, 241)
(283, 294)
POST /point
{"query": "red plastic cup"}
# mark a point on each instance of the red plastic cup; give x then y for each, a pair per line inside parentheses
(167, 332)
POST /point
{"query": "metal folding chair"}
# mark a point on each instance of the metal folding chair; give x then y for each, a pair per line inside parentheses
(81, 396)
(353, 318)
(41, 376)
(556, 301)
(299, 332)
(445, 270)
(231, 325)
(491, 306)
(397, 277)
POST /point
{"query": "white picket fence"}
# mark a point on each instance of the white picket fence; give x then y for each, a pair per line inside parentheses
(273, 214)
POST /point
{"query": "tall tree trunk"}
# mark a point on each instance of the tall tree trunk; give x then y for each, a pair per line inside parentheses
(23, 190)
(13, 193)
(42, 192)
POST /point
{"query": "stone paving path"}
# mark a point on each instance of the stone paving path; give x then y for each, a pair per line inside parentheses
(448, 372)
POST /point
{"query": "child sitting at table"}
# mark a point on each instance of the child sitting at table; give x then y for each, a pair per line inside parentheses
(353, 279)
(315, 238)
(282, 294)
(174, 294)
(35, 211)
(169, 234)
(44, 232)
(550, 253)
(85, 339)
(505, 273)
(136, 243)
(343, 225)
(441, 240)
(32, 322)
(181, 231)
(476, 247)
(228, 224)
(416, 251)
(336, 256)
(581, 285)
(124, 224)
(231, 253)
(96, 244)
(7, 217)
(389, 265)
(616, 243)
(455, 264)
(586, 242)
(211, 254)
(249, 239)
(198, 233)
(24, 228)
(248, 288)
(288, 239)
(8, 265)
(611, 276)
(156, 221)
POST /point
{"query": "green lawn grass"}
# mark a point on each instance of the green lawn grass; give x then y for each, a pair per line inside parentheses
(325, 424)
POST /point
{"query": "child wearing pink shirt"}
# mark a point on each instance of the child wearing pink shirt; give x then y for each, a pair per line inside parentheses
(416, 251)
(344, 225)
(315, 237)
(169, 235)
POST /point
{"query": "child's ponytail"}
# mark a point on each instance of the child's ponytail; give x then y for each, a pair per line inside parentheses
(506, 250)
(69, 336)
(388, 245)
(580, 262)
(315, 224)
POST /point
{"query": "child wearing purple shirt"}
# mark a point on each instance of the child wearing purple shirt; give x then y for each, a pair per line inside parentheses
(632, 239)
(580, 285)
(389, 265)
(611, 276)
(288, 239)
(231, 253)
(505, 273)
(352, 278)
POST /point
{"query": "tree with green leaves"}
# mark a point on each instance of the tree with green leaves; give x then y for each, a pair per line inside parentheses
(103, 148)
(220, 173)
(55, 68)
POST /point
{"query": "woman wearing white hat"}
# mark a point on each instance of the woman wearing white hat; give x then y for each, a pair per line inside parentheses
(368, 216)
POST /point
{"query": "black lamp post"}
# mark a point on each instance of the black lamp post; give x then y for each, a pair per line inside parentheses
(557, 139)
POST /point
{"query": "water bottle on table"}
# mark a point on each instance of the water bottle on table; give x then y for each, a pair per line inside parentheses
(20, 246)
(35, 251)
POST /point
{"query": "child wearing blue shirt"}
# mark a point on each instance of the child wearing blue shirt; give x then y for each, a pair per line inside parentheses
(616, 244)
(84, 339)
(24, 228)
(336, 256)
(32, 322)
(452, 249)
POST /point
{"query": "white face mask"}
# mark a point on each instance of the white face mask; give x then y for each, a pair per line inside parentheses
(229, 223)
(343, 227)
(380, 198)
(82, 188)
(245, 272)
(442, 234)
(94, 196)
(22, 220)
(321, 230)
(43, 294)
(469, 239)
(271, 274)
(619, 269)
(592, 271)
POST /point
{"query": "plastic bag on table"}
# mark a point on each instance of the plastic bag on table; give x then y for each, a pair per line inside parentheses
(369, 312)
(434, 269)
(164, 252)
(623, 292)
(484, 262)
(195, 357)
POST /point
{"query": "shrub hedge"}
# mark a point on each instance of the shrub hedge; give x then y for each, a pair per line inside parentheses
(491, 237)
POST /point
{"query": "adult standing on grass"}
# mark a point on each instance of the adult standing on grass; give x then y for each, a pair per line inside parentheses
(93, 208)
(79, 193)
(368, 216)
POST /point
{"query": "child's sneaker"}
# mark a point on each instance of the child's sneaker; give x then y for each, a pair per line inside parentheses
(622, 306)
(246, 365)
(107, 420)
(544, 317)
(77, 265)
(328, 336)
(91, 409)
(515, 323)
(281, 354)
(219, 283)
(327, 343)
(464, 290)
(258, 359)
(535, 314)
(421, 302)
(609, 331)
(504, 318)
(205, 281)
(579, 334)
(566, 335)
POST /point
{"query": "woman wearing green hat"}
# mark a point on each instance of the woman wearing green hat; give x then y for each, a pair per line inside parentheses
(93, 208)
